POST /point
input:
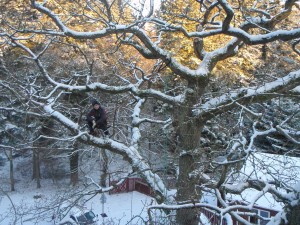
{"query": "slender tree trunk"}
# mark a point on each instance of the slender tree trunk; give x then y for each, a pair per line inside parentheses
(33, 165)
(74, 167)
(47, 130)
(11, 171)
(76, 98)
(264, 52)
(104, 168)
(36, 172)
(74, 157)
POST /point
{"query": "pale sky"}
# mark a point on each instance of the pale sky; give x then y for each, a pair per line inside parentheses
(147, 4)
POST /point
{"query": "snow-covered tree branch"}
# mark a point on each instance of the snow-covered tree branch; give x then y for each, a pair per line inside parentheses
(197, 89)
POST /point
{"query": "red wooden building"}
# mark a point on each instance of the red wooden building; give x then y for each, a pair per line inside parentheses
(137, 184)
(267, 213)
(132, 184)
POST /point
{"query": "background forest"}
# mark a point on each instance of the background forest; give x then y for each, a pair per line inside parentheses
(193, 89)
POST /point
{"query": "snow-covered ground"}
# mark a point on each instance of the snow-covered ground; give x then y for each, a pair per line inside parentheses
(119, 208)
(51, 204)
(29, 205)
(263, 166)
(122, 209)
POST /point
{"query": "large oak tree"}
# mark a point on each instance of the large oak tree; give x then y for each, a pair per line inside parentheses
(153, 36)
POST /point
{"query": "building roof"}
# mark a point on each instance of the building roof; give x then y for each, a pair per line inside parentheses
(267, 167)
(284, 170)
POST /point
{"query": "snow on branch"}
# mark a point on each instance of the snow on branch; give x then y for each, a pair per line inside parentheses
(62, 139)
(149, 49)
(184, 206)
(251, 39)
(130, 153)
(104, 189)
(133, 88)
(230, 13)
(147, 120)
(137, 121)
(257, 133)
(246, 96)
(136, 134)
(249, 110)
(260, 185)
(23, 112)
(296, 90)
(232, 209)
(287, 135)
(216, 209)
(295, 45)
(264, 177)
(265, 22)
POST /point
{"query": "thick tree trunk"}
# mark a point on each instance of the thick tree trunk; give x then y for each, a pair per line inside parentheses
(293, 215)
(186, 191)
(189, 132)
(186, 184)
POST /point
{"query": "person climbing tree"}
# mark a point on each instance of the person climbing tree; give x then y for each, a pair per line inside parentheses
(97, 118)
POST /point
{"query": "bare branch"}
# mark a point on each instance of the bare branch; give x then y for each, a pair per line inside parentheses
(229, 11)
(289, 137)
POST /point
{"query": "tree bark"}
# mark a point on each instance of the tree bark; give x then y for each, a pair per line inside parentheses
(11, 171)
(33, 165)
(293, 215)
(186, 191)
(189, 132)
(46, 129)
(74, 167)
(104, 168)
(264, 52)
(36, 172)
